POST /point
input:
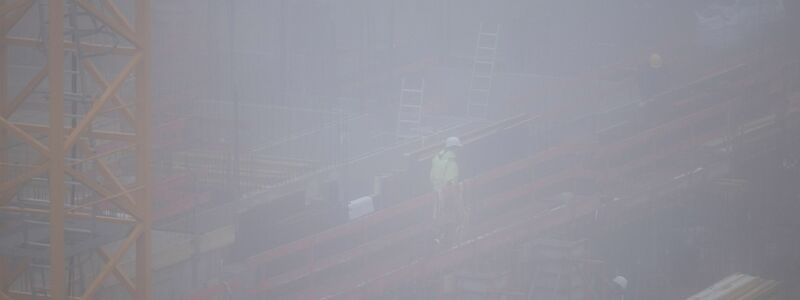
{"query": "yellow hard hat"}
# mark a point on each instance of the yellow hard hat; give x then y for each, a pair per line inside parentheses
(655, 60)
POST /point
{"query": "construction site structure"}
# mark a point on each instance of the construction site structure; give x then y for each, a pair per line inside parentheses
(383, 252)
(265, 214)
(76, 182)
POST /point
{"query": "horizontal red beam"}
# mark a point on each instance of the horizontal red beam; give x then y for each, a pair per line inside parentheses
(352, 227)
(270, 283)
(671, 126)
(666, 130)
(424, 268)
(356, 226)
(400, 209)
(540, 221)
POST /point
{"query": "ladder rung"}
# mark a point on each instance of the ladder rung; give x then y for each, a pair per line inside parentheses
(412, 91)
(414, 106)
(412, 95)
(496, 30)
(478, 115)
(413, 111)
(483, 42)
(480, 93)
(486, 71)
(410, 109)
(481, 101)
(485, 55)
(412, 122)
(481, 82)
(405, 113)
(413, 118)
(411, 102)
(403, 85)
(485, 85)
(474, 107)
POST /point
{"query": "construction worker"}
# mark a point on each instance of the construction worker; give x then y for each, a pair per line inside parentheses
(619, 287)
(444, 167)
(652, 78)
(449, 211)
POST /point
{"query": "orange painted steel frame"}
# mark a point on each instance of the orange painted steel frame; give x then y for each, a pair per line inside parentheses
(136, 200)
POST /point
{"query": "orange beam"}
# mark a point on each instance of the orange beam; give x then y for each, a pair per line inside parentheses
(117, 273)
(12, 276)
(97, 187)
(104, 85)
(100, 155)
(55, 62)
(98, 103)
(25, 92)
(12, 20)
(143, 155)
(96, 134)
(112, 263)
(23, 177)
(7, 8)
(68, 214)
(3, 100)
(84, 146)
(109, 4)
(26, 137)
(115, 25)
(61, 139)
(87, 47)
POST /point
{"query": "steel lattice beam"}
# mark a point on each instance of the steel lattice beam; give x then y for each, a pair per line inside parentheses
(56, 159)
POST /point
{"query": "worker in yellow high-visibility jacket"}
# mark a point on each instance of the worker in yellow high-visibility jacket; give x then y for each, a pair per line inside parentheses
(449, 210)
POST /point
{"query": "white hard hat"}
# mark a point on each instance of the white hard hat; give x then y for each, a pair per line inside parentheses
(621, 281)
(656, 61)
(452, 142)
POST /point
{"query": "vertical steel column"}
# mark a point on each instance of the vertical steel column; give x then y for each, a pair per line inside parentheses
(143, 159)
(55, 79)
(282, 52)
(3, 104)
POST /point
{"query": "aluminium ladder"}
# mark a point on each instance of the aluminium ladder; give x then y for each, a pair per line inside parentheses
(483, 68)
(409, 113)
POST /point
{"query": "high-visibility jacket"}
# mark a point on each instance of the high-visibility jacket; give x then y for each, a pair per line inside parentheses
(444, 169)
